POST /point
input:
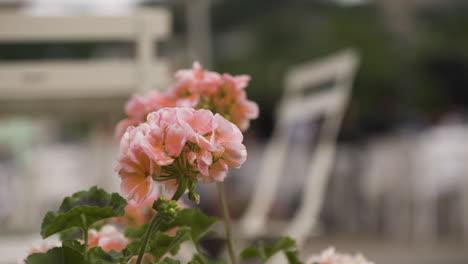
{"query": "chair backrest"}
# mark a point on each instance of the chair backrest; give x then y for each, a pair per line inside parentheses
(332, 79)
(92, 78)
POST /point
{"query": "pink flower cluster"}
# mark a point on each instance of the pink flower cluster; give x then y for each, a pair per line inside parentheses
(330, 256)
(197, 88)
(178, 142)
(107, 238)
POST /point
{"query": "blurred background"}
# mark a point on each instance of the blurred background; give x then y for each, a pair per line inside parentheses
(397, 190)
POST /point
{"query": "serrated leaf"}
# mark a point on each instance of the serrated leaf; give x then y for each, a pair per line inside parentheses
(285, 244)
(58, 255)
(198, 222)
(95, 204)
(161, 244)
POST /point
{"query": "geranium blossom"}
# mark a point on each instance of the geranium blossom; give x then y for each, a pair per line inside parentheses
(330, 256)
(223, 94)
(174, 143)
(107, 238)
(193, 83)
(138, 107)
(200, 89)
(135, 166)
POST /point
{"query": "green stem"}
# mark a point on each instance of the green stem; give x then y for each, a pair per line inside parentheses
(156, 221)
(85, 234)
(180, 190)
(227, 221)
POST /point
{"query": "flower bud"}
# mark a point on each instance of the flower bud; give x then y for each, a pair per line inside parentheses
(194, 197)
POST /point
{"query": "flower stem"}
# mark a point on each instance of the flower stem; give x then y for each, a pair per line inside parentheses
(180, 190)
(157, 220)
(227, 221)
(85, 234)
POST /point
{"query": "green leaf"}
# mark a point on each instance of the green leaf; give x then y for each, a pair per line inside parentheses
(75, 245)
(293, 257)
(198, 222)
(252, 253)
(131, 249)
(71, 234)
(285, 244)
(97, 255)
(282, 244)
(82, 209)
(58, 255)
(161, 244)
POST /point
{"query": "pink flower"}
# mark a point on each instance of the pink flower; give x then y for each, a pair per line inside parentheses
(138, 107)
(193, 83)
(230, 151)
(329, 256)
(223, 94)
(231, 101)
(200, 89)
(174, 143)
(230, 138)
(135, 167)
(107, 238)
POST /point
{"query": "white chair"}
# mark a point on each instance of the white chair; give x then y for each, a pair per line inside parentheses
(333, 78)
